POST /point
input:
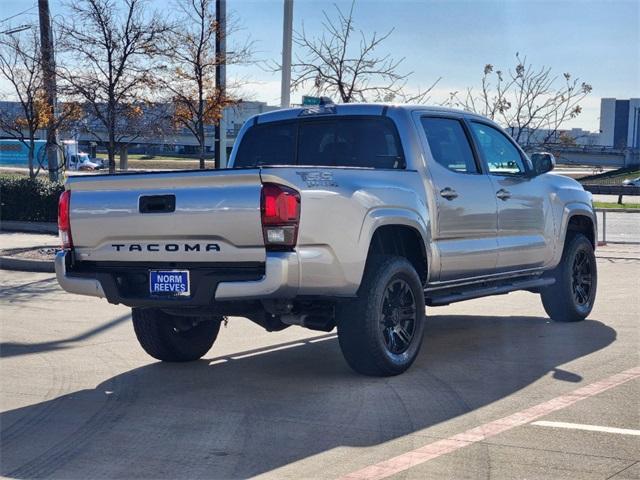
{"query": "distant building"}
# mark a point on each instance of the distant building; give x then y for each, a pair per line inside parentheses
(534, 139)
(236, 115)
(164, 136)
(583, 137)
(620, 123)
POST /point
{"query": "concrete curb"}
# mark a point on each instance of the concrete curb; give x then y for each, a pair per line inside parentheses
(26, 265)
(29, 227)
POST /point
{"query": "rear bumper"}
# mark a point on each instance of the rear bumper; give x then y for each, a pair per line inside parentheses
(281, 280)
(76, 284)
(128, 283)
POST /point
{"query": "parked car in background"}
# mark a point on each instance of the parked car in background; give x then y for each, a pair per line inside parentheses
(632, 182)
(82, 162)
(77, 160)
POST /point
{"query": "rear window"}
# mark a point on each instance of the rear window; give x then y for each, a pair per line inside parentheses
(370, 142)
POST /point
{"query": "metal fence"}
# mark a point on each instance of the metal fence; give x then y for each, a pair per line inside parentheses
(602, 223)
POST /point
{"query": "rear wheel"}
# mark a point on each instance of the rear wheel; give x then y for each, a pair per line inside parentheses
(381, 331)
(173, 338)
(572, 297)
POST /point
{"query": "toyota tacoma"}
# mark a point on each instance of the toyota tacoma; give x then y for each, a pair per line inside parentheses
(335, 216)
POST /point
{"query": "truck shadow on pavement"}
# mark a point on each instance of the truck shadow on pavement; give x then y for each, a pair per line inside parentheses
(236, 418)
(27, 292)
(12, 349)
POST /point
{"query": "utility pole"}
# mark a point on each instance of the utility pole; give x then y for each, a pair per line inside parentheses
(287, 35)
(220, 133)
(49, 78)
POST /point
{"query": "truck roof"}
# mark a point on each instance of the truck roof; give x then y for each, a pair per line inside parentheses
(356, 109)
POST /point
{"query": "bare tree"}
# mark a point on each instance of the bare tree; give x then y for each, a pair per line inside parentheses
(346, 62)
(532, 103)
(20, 66)
(189, 72)
(107, 49)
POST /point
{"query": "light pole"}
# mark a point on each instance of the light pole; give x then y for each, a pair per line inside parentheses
(219, 132)
(287, 36)
(49, 79)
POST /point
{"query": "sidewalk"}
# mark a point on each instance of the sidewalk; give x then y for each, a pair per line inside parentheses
(619, 251)
(9, 240)
(26, 251)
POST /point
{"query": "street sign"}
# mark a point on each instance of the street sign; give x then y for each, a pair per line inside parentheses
(308, 100)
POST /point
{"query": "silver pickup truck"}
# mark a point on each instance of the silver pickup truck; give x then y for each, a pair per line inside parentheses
(347, 216)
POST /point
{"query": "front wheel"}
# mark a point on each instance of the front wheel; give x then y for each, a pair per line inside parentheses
(173, 338)
(381, 331)
(572, 297)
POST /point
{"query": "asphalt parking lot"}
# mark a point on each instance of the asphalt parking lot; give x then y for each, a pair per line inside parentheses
(80, 399)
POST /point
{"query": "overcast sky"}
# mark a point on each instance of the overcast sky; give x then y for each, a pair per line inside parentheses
(598, 41)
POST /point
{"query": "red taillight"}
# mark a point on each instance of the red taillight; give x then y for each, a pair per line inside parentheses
(280, 211)
(64, 225)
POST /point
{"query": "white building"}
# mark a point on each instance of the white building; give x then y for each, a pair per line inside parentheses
(620, 123)
(236, 115)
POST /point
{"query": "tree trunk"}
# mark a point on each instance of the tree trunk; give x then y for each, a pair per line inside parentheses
(31, 151)
(202, 142)
(111, 127)
(111, 150)
(112, 159)
(124, 157)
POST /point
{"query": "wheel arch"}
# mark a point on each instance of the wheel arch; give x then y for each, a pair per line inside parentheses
(402, 239)
(582, 218)
(576, 217)
(582, 224)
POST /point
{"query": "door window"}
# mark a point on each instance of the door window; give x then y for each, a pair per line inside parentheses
(449, 144)
(500, 155)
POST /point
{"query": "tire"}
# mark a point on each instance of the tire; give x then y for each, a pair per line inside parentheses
(572, 297)
(172, 338)
(373, 328)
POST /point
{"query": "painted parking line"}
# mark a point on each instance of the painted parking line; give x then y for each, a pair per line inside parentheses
(590, 428)
(441, 447)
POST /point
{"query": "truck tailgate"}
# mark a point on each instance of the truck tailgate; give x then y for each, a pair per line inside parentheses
(203, 216)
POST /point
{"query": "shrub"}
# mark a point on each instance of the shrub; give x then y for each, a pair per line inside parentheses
(29, 200)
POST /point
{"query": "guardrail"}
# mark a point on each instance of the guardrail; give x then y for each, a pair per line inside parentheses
(612, 189)
(603, 225)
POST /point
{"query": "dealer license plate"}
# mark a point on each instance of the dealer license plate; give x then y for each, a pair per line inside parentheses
(169, 283)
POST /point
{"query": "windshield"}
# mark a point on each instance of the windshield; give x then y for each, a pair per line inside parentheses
(370, 142)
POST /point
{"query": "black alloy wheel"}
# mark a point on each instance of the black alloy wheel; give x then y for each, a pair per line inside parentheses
(398, 316)
(581, 278)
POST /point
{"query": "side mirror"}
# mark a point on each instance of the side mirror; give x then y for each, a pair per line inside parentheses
(543, 162)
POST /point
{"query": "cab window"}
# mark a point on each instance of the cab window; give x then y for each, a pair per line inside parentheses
(500, 155)
(449, 144)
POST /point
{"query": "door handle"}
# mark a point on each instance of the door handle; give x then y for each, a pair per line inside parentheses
(448, 193)
(503, 194)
